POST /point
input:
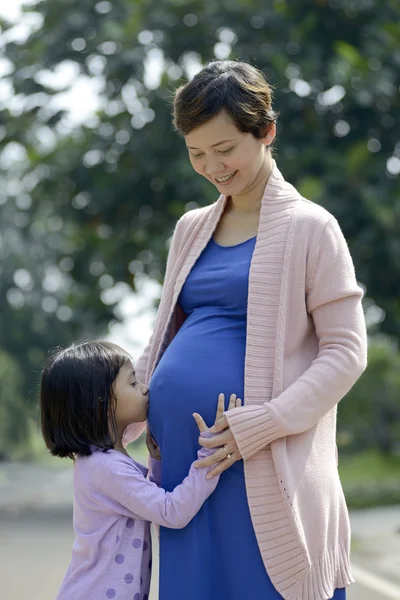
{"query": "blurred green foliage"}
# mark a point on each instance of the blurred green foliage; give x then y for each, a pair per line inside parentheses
(370, 479)
(369, 416)
(13, 425)
(87, 207)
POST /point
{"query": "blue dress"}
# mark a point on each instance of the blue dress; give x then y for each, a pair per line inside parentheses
(216, 557)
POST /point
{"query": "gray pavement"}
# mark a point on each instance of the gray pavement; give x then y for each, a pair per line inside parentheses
(36, 537)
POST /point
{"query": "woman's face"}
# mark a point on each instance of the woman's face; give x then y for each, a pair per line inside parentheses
(233, 161)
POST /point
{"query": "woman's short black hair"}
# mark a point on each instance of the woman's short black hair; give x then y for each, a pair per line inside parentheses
(233, 86)
(76, 398)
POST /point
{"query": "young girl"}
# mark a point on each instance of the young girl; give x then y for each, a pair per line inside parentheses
(89, 394)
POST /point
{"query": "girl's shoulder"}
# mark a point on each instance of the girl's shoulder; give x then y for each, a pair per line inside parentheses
(106, 481)
(101, 462)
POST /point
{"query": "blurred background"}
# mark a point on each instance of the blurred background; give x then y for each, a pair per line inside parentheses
(93, 179)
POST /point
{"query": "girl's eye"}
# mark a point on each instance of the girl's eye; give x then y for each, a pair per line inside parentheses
(134, 384)
(197, 155)
(225, 151)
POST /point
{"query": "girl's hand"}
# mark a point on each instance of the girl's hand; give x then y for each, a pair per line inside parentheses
(228, 453)
(220, 413)
(152, 447)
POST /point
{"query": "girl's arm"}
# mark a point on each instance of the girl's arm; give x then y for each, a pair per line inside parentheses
(155, 471)
(155, 458)
(119, 486)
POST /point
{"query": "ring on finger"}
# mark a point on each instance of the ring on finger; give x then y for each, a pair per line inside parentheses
(228, 454)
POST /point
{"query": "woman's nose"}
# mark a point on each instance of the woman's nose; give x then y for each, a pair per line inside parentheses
(213, 167)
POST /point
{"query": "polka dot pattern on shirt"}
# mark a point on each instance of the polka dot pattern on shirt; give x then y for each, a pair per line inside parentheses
(128, 578)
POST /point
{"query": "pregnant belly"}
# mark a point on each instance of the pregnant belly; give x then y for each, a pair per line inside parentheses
(204, 359)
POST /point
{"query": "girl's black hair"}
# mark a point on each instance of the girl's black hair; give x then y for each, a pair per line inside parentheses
(77, 403)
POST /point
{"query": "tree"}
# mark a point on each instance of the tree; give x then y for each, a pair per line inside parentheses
(90, 206)
(369, 417)
(13, 429)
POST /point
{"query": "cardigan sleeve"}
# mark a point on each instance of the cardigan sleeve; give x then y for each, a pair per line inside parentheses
(334, 302)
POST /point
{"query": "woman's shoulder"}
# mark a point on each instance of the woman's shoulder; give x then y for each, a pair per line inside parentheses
(193, 215)
(190, 219)
(311, 212)
(317, 228)
(311, 219)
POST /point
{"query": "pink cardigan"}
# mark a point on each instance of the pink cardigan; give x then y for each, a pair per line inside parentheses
(306, 346)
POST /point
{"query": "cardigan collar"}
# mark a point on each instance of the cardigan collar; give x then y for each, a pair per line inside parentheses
(277, 205)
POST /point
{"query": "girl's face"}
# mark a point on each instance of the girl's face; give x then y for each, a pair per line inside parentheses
(233, 161)
(131, 396)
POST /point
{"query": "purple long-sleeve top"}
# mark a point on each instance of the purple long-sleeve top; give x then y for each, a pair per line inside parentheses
(114, 503)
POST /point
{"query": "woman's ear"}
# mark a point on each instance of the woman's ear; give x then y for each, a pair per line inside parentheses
(270, 134)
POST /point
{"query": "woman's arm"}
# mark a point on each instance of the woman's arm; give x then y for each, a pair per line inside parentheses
(133, 431)
(334, 302)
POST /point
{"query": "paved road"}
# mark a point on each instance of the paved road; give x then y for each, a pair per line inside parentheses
(36, 537)
(34, 554)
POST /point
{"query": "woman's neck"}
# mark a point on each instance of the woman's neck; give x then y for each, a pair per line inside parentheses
(250, 200)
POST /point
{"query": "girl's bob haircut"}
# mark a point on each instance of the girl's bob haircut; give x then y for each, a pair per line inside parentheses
(77, 405)
(235, 87)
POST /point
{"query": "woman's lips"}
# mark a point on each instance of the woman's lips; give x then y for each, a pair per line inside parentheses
(226, 179)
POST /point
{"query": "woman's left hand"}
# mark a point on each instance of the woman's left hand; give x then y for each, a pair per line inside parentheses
(228, 452)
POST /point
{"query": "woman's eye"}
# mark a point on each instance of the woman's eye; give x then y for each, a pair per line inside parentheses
(225, 151)
(197, 155)
(134, 384)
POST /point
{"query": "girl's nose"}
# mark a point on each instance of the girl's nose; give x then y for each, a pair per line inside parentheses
(145, 390)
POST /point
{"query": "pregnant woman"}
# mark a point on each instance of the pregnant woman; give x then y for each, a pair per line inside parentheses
(260, 300)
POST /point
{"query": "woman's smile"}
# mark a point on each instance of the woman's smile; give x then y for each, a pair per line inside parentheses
(225, 179)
